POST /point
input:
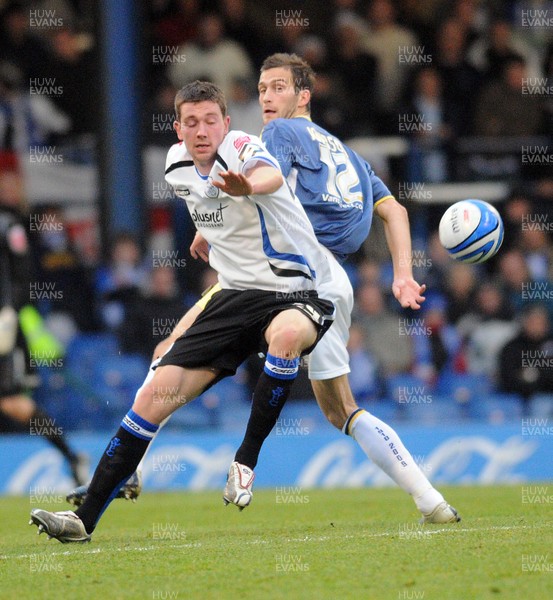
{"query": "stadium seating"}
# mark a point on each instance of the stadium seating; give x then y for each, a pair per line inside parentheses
(406, 391)
(116, 380)
(86, 350)
(496, 408)
(98, 383)
(464, 388)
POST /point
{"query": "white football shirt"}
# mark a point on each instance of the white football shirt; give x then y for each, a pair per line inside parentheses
(263, 242)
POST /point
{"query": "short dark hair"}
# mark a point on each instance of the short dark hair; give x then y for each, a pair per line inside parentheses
(302, 73)
(200, 91)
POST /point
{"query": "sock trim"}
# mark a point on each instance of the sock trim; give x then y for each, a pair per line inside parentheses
(138, 426)
(351, 419)
(282, 368)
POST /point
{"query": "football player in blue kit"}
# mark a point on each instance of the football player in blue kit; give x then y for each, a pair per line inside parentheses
(339, 192)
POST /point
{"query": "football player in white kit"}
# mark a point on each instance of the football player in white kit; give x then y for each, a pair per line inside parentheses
(238, 198)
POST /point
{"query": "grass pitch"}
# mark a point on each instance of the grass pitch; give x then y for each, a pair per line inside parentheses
(290, 543)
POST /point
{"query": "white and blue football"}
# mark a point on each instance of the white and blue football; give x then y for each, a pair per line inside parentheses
(471, 231)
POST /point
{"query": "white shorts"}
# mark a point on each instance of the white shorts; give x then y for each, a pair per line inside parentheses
(330, 357)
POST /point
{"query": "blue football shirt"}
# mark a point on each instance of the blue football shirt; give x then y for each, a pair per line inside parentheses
(337, 188)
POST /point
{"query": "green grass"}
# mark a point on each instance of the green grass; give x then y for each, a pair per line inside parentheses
(339, 544)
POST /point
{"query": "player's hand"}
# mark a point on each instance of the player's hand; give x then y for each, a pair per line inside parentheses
(234, 184)
(199, 247)
(408, 292)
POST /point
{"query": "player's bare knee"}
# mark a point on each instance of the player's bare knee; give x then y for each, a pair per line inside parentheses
(144, 395)
(286, 341)
(155, 402)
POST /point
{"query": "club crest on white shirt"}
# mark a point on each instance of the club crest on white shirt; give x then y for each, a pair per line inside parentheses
(210, 190)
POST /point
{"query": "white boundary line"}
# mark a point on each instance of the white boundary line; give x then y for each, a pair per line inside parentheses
(416, 530)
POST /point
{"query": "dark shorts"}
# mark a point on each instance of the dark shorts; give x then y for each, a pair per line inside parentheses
(232, 324)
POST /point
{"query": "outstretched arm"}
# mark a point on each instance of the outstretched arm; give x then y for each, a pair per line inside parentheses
(261, 179)
(398, 236)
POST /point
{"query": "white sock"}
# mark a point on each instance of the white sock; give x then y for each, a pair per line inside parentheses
(383, 446)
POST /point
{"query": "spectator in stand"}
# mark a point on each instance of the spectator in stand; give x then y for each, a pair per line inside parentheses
(59, 265)
(313, 49)
(517, 210)
(378, 323)
(160, 115)
(386, 40)
(525, 361)
(175, 22)
(515, 279)
(211, 56)
(289, 36)
(160, 303)
(118, 283)
(438, 349)
(241, 26)
(469, 15)
(422, 18)
(358, 71)
(243, 106)
(461, 283)
(328, 105)
(26, 119)
(460, 80)
(503, 109)
(18, 44)
(538, 252)
(428, 149)
(487, 328)
(73, 66)
(344, 6)
(497, 47)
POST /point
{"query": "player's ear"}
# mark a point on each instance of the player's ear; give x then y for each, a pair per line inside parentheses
(227, 123)
(176, 127)
(304, 98)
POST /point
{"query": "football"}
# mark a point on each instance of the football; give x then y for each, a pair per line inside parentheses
(471, 231)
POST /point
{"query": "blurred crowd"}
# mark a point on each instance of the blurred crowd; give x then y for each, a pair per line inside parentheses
(434, 73)
(462, 64)
(470, 67)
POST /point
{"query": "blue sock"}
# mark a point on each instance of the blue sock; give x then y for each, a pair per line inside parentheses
(270, 395)
(118, 463)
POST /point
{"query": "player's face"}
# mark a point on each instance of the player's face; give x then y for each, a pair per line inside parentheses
(202, 128)
(277, 95)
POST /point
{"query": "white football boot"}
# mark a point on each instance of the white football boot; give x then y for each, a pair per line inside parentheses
(443, 513)
(238, 489)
